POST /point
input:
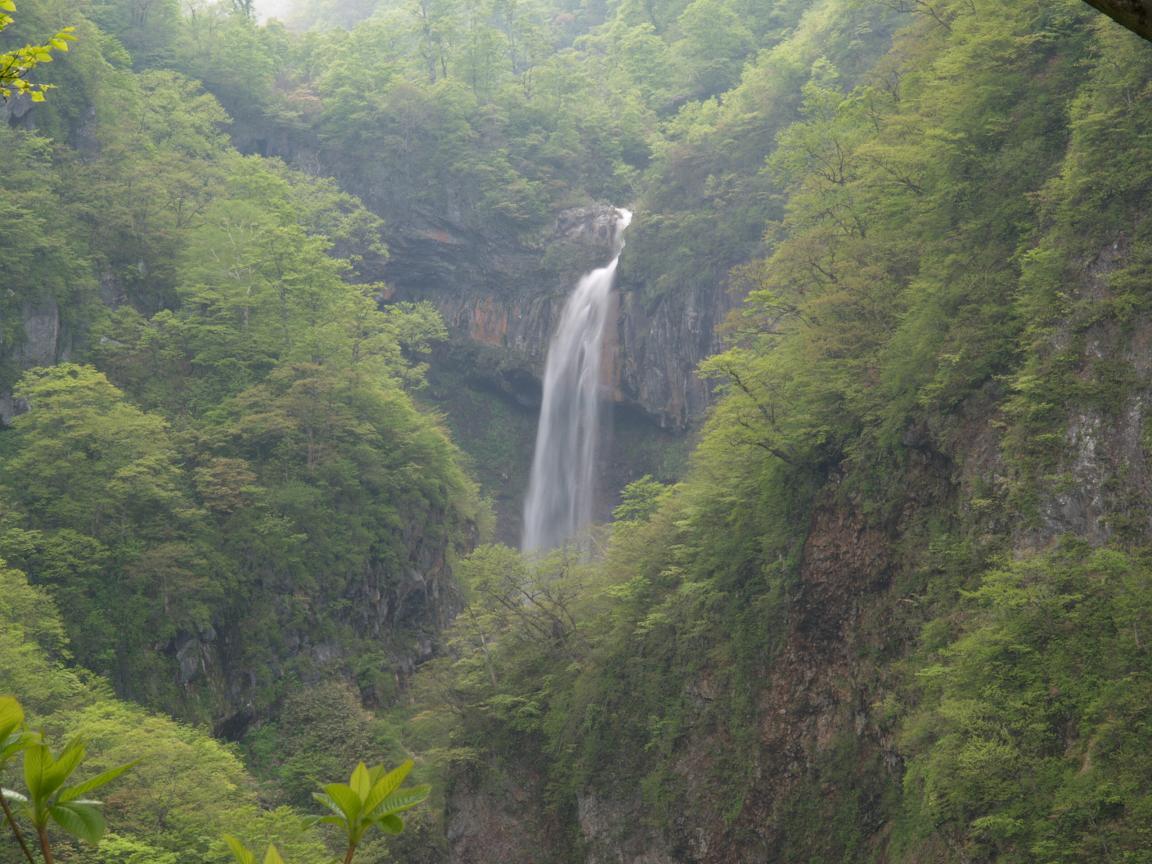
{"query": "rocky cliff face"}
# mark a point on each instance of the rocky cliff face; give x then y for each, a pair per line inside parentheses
(1101, 480)
(40, 341)
(504, 298)
(817, 717)
(824, 762)
(505, 293)
(396, 613)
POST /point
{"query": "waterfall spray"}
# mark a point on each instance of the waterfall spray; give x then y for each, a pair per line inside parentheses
(558, 508)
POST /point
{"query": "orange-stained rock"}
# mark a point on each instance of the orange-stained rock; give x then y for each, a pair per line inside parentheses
(489, 323)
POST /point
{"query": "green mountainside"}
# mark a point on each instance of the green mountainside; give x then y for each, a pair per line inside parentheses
(898, 606)
(242, 490)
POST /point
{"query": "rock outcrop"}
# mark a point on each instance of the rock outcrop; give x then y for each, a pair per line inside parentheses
(824, 756)
(505, 297)
(40, 341)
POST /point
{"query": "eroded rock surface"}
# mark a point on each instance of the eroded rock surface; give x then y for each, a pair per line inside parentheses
(505, 299)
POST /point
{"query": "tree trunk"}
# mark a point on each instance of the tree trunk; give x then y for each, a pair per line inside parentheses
(45, 846)
(11, 819)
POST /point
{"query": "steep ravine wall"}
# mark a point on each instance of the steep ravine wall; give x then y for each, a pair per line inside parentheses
(1100, 484)
(508, 298)
(501, 302)
(502, 288)
(501, 299)
(814, 706)
(825, 763)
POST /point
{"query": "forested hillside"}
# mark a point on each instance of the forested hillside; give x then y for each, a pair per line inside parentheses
(188, 789)
(240, 491)
(895, 607)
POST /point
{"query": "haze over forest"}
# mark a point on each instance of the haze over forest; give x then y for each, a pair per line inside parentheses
(266, 9)
(575, 432)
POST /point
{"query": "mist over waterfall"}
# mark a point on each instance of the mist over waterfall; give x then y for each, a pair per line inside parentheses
(560, 491)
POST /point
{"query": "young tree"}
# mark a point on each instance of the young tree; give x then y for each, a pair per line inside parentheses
(372, 798)
(48, 797)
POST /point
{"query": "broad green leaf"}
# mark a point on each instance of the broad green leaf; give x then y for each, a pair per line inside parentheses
(14, 743)
(385, 786)
(361, 782)
(36, 759)
(80, 819)
(13, 795)
(239, 851)
(60, 769)
(7, 5)
(347, 801)
(74, 792)
(272, 856)
(11, 714)
(390, 823)
(329, 802)
(405, 799)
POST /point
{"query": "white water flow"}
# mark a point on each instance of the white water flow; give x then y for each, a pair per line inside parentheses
(558, 508)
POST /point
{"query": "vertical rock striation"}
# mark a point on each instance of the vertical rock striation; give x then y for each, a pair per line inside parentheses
(506, 299)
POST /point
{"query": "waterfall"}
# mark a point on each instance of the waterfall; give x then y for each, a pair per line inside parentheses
(558, 508)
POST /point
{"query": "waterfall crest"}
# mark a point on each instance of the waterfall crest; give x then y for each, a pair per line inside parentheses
(558, 508)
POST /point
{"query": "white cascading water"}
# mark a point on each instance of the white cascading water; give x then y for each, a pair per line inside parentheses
(558, 508)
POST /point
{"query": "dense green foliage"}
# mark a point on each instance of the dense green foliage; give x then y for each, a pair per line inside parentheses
(957, 233)
(16, 65)
(248, 466)
(1029, 743)
(52, 795)
(492, 114)
(186, 789)
(182, 790)
(856, 631)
